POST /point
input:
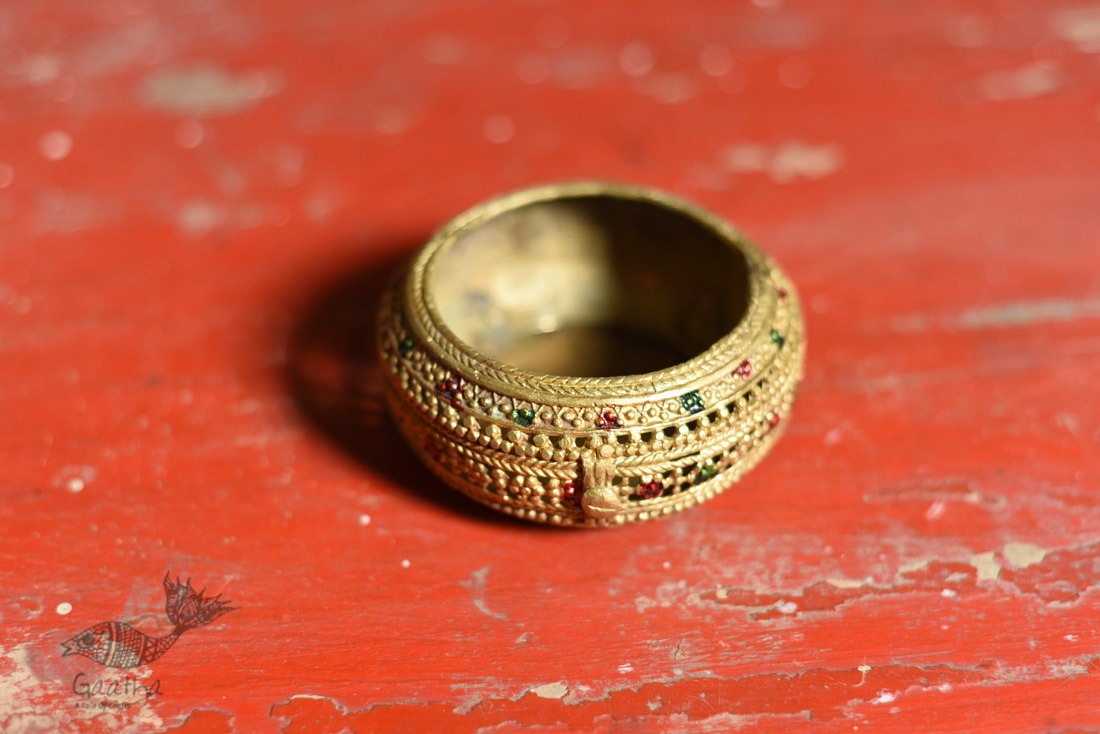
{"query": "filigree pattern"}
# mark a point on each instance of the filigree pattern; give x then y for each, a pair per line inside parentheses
(592, 451)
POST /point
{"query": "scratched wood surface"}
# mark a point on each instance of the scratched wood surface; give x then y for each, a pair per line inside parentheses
(199, 201)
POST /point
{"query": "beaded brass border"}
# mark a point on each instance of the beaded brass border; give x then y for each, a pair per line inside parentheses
(591, 451)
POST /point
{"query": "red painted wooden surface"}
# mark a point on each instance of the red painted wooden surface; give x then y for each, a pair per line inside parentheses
(198, 202)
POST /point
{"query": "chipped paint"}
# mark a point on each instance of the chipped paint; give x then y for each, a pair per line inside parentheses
(986, 565)
(476, 584)
(1033, 80)
(1079, 26)
(199, 217)
(29, 697)
(1022, 555)
(786, 162)
(205, 90)
(1002, 316)
(1029, 312)
(161, 341)
(551, 690)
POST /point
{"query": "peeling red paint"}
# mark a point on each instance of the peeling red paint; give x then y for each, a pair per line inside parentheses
(199, 209)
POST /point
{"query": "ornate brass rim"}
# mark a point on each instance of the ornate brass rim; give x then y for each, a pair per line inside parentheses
(591, 450)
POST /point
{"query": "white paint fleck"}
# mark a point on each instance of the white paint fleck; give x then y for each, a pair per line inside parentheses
(499, 129)
(205, 90)
(75, 479)
(943, 687)
(936, 510)
(37, 70)
(667, 595)
(7, 175)
(833, 436)
(198, 217)
(189, 134)
(1033, 80)
(666, 565)
(1079, 26)
(1022, 555)
(716, 60)
(842, 583)
(1028, 312)
(863, 671)
(797, 160)
(949, 593)
(787, 607)
(1002, 316)
(625, 668)
(986, 565)
(654, 704)
(1069, 422)
(636, 59)
(522, 639)
(794, 73)
(476, 584)
(551, 690)
(64, 608)
(786, 162)
(56, 145)
(405, 563)
(364, 520)
(885, 696)
(1070, 638)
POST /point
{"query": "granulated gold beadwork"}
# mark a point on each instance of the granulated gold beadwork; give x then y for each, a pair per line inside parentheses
(590, 354)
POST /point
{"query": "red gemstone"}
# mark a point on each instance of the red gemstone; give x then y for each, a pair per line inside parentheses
(782, 293)
(774, 420)
(571, 493)
(652, 488)
(451, 389)
(608, 420)
(744, 369)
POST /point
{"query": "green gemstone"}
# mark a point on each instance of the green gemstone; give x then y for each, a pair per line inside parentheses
(523, 416)
(777, 338)
(706, 471)
(405, 346)
(692, 401)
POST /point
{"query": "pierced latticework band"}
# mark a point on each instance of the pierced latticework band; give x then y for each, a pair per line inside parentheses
(590, 354)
